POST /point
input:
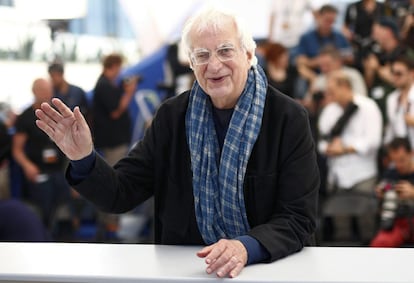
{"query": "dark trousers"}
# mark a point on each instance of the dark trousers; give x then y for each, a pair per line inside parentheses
(48, 194)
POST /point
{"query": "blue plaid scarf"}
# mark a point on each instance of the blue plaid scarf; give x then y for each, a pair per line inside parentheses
(218, 183)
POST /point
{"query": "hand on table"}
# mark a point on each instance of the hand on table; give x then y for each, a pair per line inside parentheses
(226, 257)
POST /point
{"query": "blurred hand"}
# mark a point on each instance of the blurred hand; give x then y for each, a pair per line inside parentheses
(226, 257)
(31, 171)
(379, 190)
(335, 148)
(67, 129)
(409, 119)
(371, 62)
(405, 190)
(130, 86)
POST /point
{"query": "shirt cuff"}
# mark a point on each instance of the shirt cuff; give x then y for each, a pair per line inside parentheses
(80, 169)
(255, 250)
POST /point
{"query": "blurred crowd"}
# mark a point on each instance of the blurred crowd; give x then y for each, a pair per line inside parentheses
(356, 82)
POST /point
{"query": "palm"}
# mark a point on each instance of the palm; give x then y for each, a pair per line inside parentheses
(67, 129)
(73, 138)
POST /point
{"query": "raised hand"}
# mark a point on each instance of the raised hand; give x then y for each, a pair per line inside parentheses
(67, 129)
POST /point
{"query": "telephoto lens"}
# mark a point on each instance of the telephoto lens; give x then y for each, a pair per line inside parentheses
(389, 207)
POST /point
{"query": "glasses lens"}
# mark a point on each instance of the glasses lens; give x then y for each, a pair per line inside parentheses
(201, 57)
(226, 53)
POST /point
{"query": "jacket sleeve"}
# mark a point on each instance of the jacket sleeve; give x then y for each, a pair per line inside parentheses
(293, 219)
(129, 183)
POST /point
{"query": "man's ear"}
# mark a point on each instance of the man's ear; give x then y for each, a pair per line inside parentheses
(250, 56)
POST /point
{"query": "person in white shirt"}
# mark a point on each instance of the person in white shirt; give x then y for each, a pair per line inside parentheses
(350, 132)
(400, 103)
(287, 20)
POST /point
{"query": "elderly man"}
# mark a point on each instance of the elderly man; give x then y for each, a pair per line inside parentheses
(231, 163)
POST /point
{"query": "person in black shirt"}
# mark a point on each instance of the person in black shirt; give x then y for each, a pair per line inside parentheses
(396, 190)
(111, 123)
(41, 160)
(111, 120)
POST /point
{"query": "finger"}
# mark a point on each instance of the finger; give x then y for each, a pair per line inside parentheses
(46, 128)
(216, 252)
(205, 251)
(221, 261)
(63, 109)
(230, 265)
(50, 112)
(45, 118)
(79, 117)
(236, 271)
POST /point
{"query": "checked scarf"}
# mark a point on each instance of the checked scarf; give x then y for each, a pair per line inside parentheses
(218, 181)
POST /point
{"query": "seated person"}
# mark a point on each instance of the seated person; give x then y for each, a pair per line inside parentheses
(311, 43)
(279, 72)
(397, 192)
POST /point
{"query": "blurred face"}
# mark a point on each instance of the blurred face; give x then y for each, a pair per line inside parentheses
(56, 79)
(402, 76)
(337, 92)
(331, 89)
(377, 32)
(326, 63)
(283, 61)
(401, 159)
(42, 91)
(113, 72)
(326, 22)
(222, 80)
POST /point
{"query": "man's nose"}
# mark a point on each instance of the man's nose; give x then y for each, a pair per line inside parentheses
(214, 61)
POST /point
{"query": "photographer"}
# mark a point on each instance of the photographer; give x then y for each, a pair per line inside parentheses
(377, 63)
(397, 193)
(349, 137)
(111, 123)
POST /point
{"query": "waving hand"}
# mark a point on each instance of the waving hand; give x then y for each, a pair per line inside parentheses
(67, 129)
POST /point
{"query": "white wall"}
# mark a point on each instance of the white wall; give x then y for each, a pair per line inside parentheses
(17, 78)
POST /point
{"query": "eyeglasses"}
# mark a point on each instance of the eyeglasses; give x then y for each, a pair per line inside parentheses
(202, 56)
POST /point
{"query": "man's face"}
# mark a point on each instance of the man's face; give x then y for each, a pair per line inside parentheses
(401, 159)
(326, 63)
(381, 34)
(56, 79)
(332, 90)
(402, 76)
(42, 91)
(222, 81)
(326, 21)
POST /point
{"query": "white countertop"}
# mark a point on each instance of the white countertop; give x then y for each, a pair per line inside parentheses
(59, 262)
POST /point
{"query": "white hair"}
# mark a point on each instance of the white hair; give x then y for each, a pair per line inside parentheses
(214, 18)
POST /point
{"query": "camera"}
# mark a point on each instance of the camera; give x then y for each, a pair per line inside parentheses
(130, 79)
(389, 205)
(318, 96)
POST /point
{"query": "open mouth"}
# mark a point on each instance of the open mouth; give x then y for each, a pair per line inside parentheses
(218, 79)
